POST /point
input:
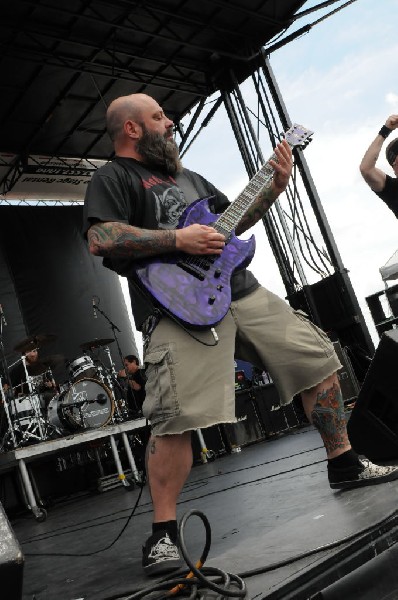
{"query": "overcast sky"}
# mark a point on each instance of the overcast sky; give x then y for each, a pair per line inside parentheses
(340, 80)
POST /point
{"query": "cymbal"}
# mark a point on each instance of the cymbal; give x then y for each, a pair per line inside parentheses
(46, 363)
(97, 343)
(34, 341)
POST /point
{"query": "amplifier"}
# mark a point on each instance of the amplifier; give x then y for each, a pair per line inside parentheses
(270, 411)
(248, 429)
(241, 381)
(348, 382)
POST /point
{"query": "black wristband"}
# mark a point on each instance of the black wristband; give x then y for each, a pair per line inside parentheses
(385, 131)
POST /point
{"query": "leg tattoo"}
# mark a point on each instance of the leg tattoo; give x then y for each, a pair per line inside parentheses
(328, 417)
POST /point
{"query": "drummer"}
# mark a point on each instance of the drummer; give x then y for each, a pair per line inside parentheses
(41, 377)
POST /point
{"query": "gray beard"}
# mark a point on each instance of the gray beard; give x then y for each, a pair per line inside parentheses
(159, 152)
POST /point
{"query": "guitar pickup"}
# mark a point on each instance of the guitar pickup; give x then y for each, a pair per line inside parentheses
(191, 269)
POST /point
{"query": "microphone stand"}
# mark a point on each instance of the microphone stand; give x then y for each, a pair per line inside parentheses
(6, 379)
(114, 329)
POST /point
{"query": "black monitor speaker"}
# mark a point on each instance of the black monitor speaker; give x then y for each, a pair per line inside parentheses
(373, 423)
(11, 561)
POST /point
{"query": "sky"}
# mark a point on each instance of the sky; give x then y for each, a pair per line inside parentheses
(339, 80)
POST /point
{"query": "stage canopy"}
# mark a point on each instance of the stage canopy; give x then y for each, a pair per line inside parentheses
(389, 271)
(61, 64)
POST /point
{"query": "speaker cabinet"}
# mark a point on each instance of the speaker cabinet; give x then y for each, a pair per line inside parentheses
(373, 423)
(271, 413)
(11, 560)
(248, 429)
(347, 378)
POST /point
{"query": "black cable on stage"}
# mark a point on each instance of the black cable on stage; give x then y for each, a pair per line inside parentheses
(42, 537)
(101, 549)
(190, 587)
(198, 579)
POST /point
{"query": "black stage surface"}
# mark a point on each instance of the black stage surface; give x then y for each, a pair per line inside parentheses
(268, 503)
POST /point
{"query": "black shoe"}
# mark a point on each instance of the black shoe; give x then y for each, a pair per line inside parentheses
(160, 555)
(366, 473)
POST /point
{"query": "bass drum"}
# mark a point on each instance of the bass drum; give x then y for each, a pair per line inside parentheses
(86, 404)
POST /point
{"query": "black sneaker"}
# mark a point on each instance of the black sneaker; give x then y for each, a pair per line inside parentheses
(366, 473)
(160, 555)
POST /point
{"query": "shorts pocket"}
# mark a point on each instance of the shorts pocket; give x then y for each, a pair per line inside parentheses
(320, 336)
(161, 391)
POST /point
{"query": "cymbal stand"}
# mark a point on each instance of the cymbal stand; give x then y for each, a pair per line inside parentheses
(112, 382)
(119, 416)
(7, 411)
(114, 329)
(6, 379)
(35, 405)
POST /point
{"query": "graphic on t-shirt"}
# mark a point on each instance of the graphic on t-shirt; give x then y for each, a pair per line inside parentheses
(169, 205)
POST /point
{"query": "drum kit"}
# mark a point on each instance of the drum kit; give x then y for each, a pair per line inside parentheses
(37, 409)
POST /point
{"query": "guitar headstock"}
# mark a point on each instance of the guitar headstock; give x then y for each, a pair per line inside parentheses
(297, 135)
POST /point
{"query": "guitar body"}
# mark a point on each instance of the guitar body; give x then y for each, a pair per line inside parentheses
(196, 289)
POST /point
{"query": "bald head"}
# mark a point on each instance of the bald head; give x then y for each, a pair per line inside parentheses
(123, 109)
(139, 129)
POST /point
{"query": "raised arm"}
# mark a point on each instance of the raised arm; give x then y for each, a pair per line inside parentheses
(374, 176)
(282, 172)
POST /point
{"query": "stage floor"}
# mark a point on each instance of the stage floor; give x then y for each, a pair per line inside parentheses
(269, 503)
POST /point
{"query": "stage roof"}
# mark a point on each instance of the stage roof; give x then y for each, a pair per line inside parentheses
(63, 62)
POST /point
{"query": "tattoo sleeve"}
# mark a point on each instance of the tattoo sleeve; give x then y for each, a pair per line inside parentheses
(257, 210)
(122, 241)
(328, 417)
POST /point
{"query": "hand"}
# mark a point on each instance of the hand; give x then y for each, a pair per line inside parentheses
(392, 122)
(199, 239)
(122, 373)
(134, 385)
(283, 168)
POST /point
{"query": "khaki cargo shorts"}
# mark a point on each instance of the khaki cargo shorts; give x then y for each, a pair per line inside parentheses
(191, 382)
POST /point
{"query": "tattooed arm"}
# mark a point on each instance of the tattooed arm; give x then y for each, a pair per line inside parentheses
(118, 240)
(268, 195)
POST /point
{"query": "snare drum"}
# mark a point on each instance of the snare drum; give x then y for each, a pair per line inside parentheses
(82, 367)
(86, 404)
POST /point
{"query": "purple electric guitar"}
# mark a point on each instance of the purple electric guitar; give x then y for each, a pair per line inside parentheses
(195, 288)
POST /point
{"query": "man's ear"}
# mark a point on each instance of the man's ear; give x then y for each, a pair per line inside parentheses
(132, 129)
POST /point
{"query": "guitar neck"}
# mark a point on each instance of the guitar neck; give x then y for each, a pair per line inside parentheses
(226, 224)
(231, 217)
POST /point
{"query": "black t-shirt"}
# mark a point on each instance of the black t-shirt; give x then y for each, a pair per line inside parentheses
(126, 191)
(135, 398)
(389, 194)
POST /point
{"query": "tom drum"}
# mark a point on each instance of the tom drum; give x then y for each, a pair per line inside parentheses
(83, 366)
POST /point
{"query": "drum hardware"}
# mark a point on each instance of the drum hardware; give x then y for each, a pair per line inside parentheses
(97, 343)
(35, 405)
(86, 404)
(82, 367)
(85, 367)
(10, 430)
(33, 342)
(47, 363)
(121, 412)
(24, 406)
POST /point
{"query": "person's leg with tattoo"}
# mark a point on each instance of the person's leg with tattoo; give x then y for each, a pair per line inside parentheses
(324, 407)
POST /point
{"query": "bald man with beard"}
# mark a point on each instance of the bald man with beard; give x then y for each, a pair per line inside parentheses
(190, 373)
